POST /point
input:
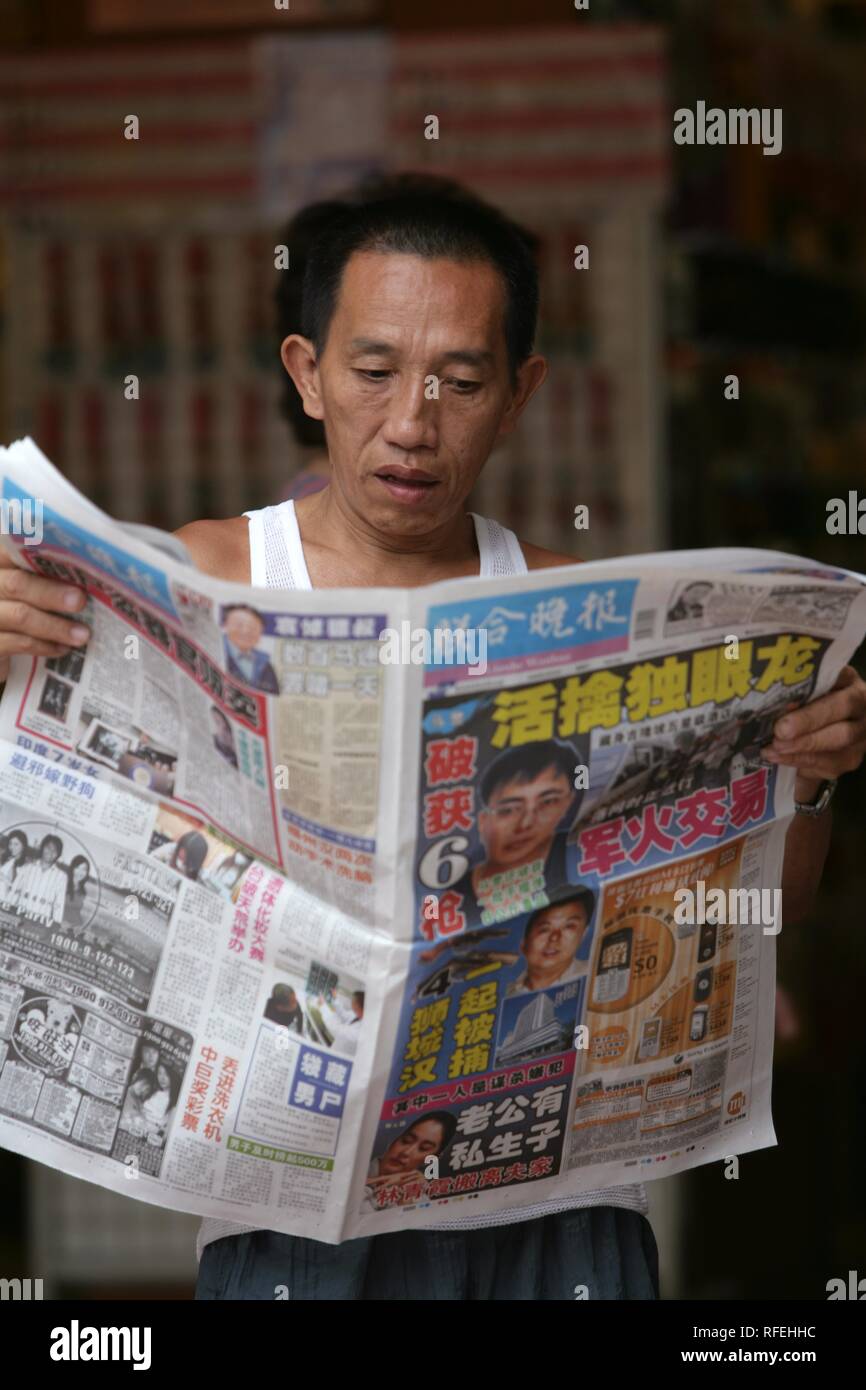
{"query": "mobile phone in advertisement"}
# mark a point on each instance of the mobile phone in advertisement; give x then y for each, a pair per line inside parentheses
(703, 984)
(614, 966)
(650, 1038)
(698, 1025)
(708, 938)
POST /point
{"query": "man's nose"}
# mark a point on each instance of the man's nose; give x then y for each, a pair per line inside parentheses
(411, 422)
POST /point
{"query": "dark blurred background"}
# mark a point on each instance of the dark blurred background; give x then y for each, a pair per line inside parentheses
(155, 257)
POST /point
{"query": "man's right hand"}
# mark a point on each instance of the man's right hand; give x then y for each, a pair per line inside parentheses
(29, 609)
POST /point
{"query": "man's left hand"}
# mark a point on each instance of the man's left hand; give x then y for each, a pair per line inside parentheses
(824, 739)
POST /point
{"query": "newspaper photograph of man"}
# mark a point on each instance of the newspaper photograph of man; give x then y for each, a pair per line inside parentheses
(527, 804)
(552, 941)
(243, 629)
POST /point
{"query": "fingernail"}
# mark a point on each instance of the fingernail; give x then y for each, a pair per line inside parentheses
(785, 726)
(71, 598)
(80, 633)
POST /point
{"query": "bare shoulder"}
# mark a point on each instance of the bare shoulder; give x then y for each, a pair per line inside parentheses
(537, 558)
(220, 548)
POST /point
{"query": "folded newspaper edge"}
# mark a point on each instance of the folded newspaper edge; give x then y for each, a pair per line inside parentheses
(312, 921)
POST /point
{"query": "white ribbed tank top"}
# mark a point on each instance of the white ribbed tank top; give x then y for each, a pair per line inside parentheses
(277, 562)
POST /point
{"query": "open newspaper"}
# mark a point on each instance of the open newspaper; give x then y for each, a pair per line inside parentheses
(345, 911)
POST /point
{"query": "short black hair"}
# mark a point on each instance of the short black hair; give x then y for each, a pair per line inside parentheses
(526, 762)
(300, 236)
(568, 893)
(311, 224)
(430, 226)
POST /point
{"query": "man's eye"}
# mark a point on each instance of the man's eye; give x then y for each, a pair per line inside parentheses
(373, 373)
(464, 387)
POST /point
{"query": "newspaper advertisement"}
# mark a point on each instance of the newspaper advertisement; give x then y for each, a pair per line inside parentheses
(347, 911)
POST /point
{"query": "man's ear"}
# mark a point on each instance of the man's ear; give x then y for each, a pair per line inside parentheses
(299, 359)
(530, 375)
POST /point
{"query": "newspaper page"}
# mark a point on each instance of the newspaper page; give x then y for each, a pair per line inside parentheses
(346, 911)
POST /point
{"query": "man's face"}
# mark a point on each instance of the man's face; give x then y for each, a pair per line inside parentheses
(555, 936)
(518, 825)
(49, 854)
(404, 460)
(408, 1151)
(243, 629)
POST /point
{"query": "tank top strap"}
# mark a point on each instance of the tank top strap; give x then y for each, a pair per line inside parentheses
(276, 552)
(498, 548)
(258, 568)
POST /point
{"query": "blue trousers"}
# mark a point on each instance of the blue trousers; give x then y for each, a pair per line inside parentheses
(597, 1252)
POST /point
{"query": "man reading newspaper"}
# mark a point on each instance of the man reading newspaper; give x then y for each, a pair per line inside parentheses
(417, 356)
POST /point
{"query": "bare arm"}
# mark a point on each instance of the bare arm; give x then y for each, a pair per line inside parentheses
(823, 740)
(219, 548)
(806, 846)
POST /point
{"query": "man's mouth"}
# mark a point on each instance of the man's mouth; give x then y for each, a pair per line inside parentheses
(407, 484)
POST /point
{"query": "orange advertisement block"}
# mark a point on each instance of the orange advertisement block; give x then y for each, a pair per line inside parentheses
(658, 987)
